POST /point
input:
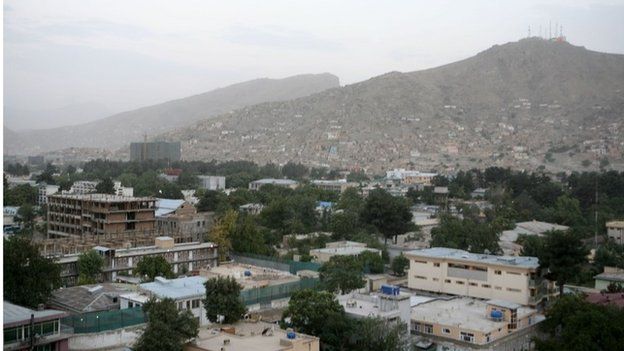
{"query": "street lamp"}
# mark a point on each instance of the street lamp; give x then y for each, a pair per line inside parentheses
(98, 322)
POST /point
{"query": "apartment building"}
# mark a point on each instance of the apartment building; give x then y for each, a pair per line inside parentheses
(26, 329)
(615, 231)
(338, 186)
(458, 272)
(285, 183)
(174, 217)
(393, 308)
(96, 214)
(410, 176)
(43, 191)
(183, 257)
(211, 182)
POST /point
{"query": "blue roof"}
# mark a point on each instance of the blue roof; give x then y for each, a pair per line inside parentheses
(166, 206)
(324, 204)
(176, 289)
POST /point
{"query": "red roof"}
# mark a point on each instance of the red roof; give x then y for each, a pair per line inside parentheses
(606, 299)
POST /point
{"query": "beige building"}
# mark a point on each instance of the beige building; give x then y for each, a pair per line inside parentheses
(459, 272)
(174, 217)
(258, 336)
(334, 185)
(466, 321)
(340, 248)
(610, 275)
(284, 183)
(615, 231)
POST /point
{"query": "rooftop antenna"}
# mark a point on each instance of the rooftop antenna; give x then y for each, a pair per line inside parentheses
(549, 29)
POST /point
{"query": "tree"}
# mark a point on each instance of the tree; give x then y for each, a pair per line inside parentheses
(574, 324)
(47, 176)
(351, 200)
(399, 264)
(26, 215)
(188, 180)
(106, 186)
(563, 255)
(212, 201)
(344, 224)
(29, 278)
(223, 299)
(89, 267)
(221, 233)
(342, 274)
(20, 195)
(371, 262)
(465, 235)
(309, 311)
(379, 335)
(151, 267)
(390, 215)
(294, 170)
(247, 238)
(566, 211)
(167, 328)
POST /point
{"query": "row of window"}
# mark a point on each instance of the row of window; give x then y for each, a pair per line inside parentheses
(190, 304)
(460, 282)
(23, 332)
(462, 266)
(428, 329)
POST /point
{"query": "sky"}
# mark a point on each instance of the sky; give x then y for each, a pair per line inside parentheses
(67, 62)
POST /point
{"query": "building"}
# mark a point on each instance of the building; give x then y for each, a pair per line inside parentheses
(393, 308)
(183, 257)
(508, 238)
(155, 151)
(211, 182)
(605, 299)
(338, 186)
(251, 208)
(9, 225)
(615, 231)
(88, 298)
(245, 336)
(123, 190)
(410, 176)
(17, 181)
(458, 272)
(26, 329)
(45, 190)
(186, 292)
(340, 248)
(97, 214)
(83, 187)
(285, 183)
(175, 216)
(36, 160)
(466, 323)
(610, 275)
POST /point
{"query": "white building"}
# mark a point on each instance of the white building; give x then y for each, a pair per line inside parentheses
(212, 182)
(340, 248)
(285, 183)
(44, 190)
(83, 187)
(123, 190)
(615, 231)
(391, 308)
(410, 176)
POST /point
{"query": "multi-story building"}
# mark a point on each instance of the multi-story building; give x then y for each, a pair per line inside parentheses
(83, 187)
(155, 150)
(615, 231)
(45, 190)
(285, 183)
(340, 248)
(178, 216)
(183, 257)
(95, 214)
(410, 176)
(211, 182)
(334, 185)
(123, 190)
(26, 329)
(467, 324)
(394, 308)
(458, 272)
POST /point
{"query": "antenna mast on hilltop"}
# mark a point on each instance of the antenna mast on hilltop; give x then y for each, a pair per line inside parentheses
(549, 30)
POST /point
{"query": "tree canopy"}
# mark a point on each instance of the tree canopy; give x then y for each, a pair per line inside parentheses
(167, 328)
(342, 274)
(399, 264)
(150, 267)
(223, 299)
(106, 186)
(89, 267)
(390, 215)
(563, 254)
(466, 235)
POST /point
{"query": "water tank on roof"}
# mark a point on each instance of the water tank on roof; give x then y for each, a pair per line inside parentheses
(390, 289)
(496, 315)
(247, 273)
(291, 335)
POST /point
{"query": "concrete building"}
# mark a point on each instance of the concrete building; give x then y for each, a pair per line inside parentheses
(338, 186)
(155, 150)
(9, 225)
(36, 160)
(391, 308)
(410, 176)
(340, 248)
(609, 275)
(176, 216)
(606, 299)
(252, 209)
(458, 272)
(615, 231)
(285, 183)
(43, 191)
(211, 182)
(245, 336)
(183, 257)
(26, 329)
(96, 214)
(468, 323)
(508, 238)
(83, 187)
(17, 181)
(88, 298)
(123, 190)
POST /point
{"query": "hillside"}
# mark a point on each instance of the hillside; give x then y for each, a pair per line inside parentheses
(119, 130)
(509, 105)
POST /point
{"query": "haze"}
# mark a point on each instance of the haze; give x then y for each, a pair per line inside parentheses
(67, 62)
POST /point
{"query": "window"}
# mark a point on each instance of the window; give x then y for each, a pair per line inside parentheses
(11, 335)
(428, 329)
(497, 288)
(487, 337)
(435, 279)
(417, 261)
(472, 284)
(446, 330)
(188, 305)
(487, 286)
(498, 272)
(514, 273)
(180, 305)
(420, 277)
(130, 304)
(447, 280)
(459, 282)
(513, 290)
(435, 264)
(468, 337)
(195, 304)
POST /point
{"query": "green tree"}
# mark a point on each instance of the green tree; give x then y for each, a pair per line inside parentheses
(90, 265)
(293, 170)
(150, 267)
(309, 311)
(563, 255)
(221, 233)
(26, 215)
(188, 180)
(342, 274)
(566, 211)
(351, 200)
(29, 278)
(213, 201)
(573, 324)
(465, 235)
(344, 224)
(247, 238)
(379, 335)
(106, 186)
(390, 215)
(399, 264)
(371, 262)
(20, 195)
(167, 328)
(223, 299)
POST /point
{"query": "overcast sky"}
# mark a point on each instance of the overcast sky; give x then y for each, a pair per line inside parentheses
(110, 56)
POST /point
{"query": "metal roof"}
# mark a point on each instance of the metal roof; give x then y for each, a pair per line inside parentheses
(166, 206)
(176, 289)
(461, 255)
(16, 315)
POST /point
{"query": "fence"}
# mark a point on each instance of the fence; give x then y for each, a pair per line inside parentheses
(93, 322)
(269, 293)
(275, 263)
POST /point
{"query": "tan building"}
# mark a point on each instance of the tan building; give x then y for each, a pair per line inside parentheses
(340, 248)
(615, 231)
(466, 321)
(284, 183)
(458, 272)
(334, 185)
(610, 275)
(174, 217)
(252, 337)
(98, 214)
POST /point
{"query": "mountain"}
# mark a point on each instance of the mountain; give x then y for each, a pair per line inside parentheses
(119, 130)
(510, 105)
(19, 120)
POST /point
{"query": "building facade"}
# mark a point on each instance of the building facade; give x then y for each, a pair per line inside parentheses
(96, 214)
(334, 185)
(43, 191)
(458, 272)
(182, 217)
(285, 183)
(340, 248)
(155, 150)
(211, 182)
(615, 231)
(410, 176)
(26, 329)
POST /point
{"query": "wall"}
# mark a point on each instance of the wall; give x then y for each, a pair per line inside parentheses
(111, 339)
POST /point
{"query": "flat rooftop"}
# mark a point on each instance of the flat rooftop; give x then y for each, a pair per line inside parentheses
(276, 181)
(102, 198)
(464, 313)
(344, 250)
(257, 276)
(616, 224)
(13, 315)
(369, 305)
(611, 277)
(465, 256)
(249, 337)
(179, 288)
